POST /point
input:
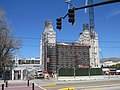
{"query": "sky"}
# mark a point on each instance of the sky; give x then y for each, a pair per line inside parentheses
(26, 18)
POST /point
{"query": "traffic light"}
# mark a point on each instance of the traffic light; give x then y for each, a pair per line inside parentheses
(71, 15)
(59, 23)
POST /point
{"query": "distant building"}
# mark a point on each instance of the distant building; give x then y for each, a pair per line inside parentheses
(109, 63)
(24, 67)
(90, 37)
(29, 61)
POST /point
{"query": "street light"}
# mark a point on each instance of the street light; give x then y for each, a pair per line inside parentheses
(74, 71)
(58, 67)
(89, 71)
(58, 72)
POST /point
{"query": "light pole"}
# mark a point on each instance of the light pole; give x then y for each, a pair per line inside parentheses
(58, 68)
(46, 45)
(58, 72)
(89, 71)
(74, 71)
(27, 73)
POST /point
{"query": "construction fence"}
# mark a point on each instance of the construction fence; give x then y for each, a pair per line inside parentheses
(79, 71)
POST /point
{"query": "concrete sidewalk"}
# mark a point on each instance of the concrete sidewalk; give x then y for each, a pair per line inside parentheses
(18, 85)
(88, 78)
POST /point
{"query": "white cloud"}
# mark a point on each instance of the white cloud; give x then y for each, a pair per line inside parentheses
(113, 13)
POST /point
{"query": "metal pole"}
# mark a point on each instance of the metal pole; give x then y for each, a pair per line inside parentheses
(27, 72)
(97, 4)
(32, 86)
(28, 83)
(57, 73)
(89, 72)
(2, 86)
(4, 73)
(74, 71)
(6, 83)
(46, 52)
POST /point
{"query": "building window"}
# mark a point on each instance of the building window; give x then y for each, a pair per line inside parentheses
(37, 62)
(19, 62)
(32, 61)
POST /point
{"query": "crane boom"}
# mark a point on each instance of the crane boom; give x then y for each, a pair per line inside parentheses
(91, 15)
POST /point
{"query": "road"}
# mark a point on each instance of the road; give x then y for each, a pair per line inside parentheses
(52, 84)
(81, 83)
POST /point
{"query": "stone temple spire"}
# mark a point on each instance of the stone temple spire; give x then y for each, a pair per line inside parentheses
(90, 37)
(48, 25)
(85, 27)
(48, 40)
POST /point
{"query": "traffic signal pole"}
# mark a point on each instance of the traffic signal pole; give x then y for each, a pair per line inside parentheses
(98, 4)
(92, 5)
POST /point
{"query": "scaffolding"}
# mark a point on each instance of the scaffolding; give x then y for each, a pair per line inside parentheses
(68, 55)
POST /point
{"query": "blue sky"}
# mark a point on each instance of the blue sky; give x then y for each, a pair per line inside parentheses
(27, 18)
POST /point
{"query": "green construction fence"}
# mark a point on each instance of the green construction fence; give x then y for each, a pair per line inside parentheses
(79, 71)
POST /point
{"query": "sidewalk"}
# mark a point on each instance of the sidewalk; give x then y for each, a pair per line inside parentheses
(88, 78)
(18, 85)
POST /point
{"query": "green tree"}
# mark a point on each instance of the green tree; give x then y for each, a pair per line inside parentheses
(117, 65)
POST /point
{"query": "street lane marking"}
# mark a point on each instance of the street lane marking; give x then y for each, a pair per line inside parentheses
(54, 84)
(93, 89)
(69, 88)
(40, 87)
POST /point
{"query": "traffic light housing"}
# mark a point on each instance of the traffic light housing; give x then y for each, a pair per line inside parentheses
(71, 15)
(59, 23)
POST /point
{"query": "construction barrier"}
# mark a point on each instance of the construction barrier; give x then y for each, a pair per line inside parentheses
(80, 71)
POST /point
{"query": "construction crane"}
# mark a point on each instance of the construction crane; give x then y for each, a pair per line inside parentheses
(92, 28)
(91, 15)
(69, 3)
(91, 18)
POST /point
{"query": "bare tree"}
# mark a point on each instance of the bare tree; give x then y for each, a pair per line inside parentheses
(8, 44)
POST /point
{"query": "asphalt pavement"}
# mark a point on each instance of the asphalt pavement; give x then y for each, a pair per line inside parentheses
(79, 83)
(86, 85)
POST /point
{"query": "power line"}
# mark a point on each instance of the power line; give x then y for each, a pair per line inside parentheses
(36, 38)
(114, 47)
(27, 38)
(31, 45)
(63, 39)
